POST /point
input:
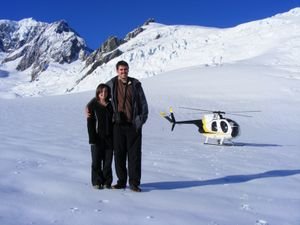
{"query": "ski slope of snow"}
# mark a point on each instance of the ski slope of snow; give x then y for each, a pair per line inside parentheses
(273, 41)
(161, 48)
(45, 157)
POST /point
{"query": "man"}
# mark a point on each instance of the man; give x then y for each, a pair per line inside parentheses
(130, 113)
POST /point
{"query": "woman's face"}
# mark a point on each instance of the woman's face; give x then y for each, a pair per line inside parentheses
(103, 94)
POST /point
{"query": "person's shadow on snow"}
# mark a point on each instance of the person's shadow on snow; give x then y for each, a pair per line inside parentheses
(170, 185)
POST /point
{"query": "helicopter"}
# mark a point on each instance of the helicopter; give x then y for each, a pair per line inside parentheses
(213, 125)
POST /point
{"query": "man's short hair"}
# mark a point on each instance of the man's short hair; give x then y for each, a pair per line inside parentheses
(122, 63)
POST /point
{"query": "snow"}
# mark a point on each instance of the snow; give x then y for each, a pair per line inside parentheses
(162, 48)
(45, 157)
(10, 77)
(25, 26)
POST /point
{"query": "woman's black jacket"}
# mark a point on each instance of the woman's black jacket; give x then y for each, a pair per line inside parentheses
(99, 123)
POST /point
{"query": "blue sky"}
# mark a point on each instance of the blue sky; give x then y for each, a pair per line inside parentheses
(96, 20)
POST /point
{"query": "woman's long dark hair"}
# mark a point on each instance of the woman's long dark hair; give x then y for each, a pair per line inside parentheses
(100, 88)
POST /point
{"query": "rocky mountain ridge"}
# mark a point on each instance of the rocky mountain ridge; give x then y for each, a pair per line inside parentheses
(155, 48)
(37, 44)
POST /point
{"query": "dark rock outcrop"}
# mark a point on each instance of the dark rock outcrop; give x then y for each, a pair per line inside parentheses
(38, 44)
(109, 45)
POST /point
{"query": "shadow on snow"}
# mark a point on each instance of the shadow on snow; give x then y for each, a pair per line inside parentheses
(170, 185)
(238, 144)
(3, 73)
(255, 144)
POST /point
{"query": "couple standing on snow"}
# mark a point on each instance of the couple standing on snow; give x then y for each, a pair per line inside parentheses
(115, 117)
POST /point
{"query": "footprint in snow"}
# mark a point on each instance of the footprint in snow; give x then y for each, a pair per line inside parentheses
(26, 164)
(246, 207)
(103, 201)
(213, 223)
(261, 222)
(244, 197)
(74, 209)
(150, 217)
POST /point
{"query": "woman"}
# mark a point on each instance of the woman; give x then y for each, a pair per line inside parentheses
(99, 123)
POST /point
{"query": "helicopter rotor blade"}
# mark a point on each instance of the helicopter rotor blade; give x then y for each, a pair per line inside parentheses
(249, 111)
(193, 113)
(204, 110)
(236, 114)
(197, 109)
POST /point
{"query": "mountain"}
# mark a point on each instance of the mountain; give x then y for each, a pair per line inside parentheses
(154, 48)
(160, 48)
(35, 44)
(109, 50)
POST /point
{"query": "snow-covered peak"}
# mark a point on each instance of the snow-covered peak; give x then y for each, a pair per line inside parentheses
(154, 48)
(36, 44)
(15, 34)
(29, 22)
(160, 48)
(292, 14)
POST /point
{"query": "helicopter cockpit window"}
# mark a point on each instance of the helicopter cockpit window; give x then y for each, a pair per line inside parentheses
(214, 126)
(224, 126)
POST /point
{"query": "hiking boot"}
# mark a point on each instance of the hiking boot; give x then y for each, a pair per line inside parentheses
(135, 188)
(118, 186)
(107, 186)
(98, 186)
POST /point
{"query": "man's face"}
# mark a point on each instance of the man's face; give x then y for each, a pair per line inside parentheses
(122, 72)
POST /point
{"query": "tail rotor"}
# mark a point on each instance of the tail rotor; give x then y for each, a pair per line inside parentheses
(170, 118)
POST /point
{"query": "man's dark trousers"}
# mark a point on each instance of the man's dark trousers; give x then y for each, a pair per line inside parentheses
(127, 143)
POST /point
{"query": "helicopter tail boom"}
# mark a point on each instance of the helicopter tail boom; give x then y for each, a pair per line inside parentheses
(171, 119)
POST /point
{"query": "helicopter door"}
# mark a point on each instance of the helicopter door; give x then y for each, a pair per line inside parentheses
(224, 126)
(214, 126)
